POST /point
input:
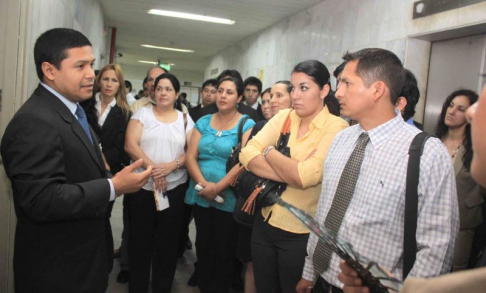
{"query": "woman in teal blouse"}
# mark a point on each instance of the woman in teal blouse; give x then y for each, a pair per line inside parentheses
(206, 157)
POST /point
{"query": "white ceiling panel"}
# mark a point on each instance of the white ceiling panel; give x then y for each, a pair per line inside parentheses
(136, 27)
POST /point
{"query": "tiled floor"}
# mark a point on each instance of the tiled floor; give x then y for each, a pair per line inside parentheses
(184, 267)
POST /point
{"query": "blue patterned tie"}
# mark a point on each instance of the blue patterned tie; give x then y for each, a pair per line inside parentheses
(340, 203)
(83, 121)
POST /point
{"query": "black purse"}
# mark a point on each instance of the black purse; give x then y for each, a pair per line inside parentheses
(235, 151)
(253, 192)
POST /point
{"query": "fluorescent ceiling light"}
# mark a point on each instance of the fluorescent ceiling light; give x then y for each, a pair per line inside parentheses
(148, 62)
(191, 16)
(168, 49)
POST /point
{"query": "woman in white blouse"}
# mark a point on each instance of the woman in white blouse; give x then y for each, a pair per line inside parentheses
(158, 135)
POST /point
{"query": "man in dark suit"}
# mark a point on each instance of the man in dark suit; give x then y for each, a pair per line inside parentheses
(209, 89)
(60, 187)
(252, 90)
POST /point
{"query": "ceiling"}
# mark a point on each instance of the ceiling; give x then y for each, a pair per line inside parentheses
(136, 27)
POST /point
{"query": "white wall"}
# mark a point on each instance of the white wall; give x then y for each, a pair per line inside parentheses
(328, 29)
(85, 16)
(136, 73)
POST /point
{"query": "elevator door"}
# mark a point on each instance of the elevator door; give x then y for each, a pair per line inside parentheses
(454, 64)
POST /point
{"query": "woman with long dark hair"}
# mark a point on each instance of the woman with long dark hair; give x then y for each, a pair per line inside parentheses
(279, 240)
(454, 131)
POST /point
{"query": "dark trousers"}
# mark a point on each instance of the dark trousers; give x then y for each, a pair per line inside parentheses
(278, 257)
(187, 218)
(126, 228)
(215, 247)
(153, 238)
(322, 286)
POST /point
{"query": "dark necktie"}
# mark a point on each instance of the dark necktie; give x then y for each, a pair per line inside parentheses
(83, 121)
(340, 203)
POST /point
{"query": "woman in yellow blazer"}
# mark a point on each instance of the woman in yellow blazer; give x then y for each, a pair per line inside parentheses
(279, 240)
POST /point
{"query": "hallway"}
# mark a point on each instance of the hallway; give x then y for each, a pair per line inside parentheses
(184, 266)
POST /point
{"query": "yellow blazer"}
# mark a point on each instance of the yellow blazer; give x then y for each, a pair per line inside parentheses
(470, 195)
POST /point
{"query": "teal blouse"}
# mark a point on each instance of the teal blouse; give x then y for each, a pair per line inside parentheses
(213, 154)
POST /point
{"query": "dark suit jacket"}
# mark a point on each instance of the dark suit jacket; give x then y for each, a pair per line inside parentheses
(61, 196)
(242, 108)
(112, 139)
(260, 113)
(470, 195)
(195, 113)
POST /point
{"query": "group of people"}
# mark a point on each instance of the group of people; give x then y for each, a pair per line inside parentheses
(78, 143)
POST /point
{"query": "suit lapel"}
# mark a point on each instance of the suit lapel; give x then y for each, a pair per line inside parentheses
(69, 118)
(458, 160)
(78, 130)
(111, 118)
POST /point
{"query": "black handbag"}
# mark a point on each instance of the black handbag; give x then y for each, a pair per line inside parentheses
(235, 151)
(253, 192)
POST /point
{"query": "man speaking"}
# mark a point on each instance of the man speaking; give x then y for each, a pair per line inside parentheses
(61, 189)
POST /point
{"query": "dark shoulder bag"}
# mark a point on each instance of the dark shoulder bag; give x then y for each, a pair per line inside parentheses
(235, 151)
(253, 192)
(411, 202)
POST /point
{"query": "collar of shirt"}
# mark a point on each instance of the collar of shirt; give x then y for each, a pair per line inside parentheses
(410, 121)
(317, 122)
(71, 105)
(254, 106)
(383, 132)
(98, 102)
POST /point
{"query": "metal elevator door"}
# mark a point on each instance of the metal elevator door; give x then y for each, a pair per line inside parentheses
(454, 64)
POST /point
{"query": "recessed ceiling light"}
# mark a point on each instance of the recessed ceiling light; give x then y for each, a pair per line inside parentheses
(191, 16)
(147, 62)
(168, 49)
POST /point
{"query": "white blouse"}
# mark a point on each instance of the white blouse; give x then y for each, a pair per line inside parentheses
(163, 143)
(102, 117)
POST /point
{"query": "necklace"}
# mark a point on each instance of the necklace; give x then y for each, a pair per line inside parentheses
(218, 134)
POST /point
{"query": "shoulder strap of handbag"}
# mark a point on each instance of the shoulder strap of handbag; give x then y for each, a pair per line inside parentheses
(411, 202)
(184, 116)
(283, 139)
(240, 128)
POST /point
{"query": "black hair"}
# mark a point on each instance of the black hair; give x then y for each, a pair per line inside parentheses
(441, 129)
(375, 64)
(266, 91)
(319, 73)
(253, 81)
(173, 80)
(316, 70)
(52, 47)
(287, 83)
(144, 80)
(339, 69)
(411, 93)
(229, 73)
(183, 95)
(238, 83)
(128, 85)
(212, 82)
